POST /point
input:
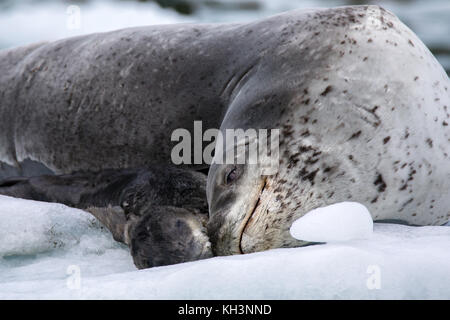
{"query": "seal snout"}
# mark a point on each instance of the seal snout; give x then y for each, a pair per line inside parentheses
(168, 235)
(249, 220)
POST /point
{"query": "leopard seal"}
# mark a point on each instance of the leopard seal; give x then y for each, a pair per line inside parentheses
(361, 103)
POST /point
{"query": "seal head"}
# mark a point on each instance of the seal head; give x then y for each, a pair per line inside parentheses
(364, 117)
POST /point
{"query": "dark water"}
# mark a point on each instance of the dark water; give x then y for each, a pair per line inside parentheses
(25, 21)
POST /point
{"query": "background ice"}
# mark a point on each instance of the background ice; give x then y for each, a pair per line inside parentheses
(341, 221)
(25, 21)
(397, 262)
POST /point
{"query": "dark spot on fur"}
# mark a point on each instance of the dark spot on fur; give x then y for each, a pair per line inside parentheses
(303, 149)
(386, 140)
(287, 130)
(380, 183)
(326, 91)
(430, 142)
(308, 175)
(327, 169)
(406, 133)
(293, 160)
(355, 135)
(411, 174)
(305, 119)
(311, 161)
(406, 203)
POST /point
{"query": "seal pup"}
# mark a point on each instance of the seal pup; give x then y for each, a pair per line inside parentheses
(362, 106)
(159, 212)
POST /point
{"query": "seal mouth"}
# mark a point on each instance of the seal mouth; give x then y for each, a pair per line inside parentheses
(249, 216)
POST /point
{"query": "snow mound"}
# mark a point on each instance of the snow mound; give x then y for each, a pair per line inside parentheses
(397, 262)
(342, 221)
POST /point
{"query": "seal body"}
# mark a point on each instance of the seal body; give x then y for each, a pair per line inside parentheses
(362, 105)
(112, 100)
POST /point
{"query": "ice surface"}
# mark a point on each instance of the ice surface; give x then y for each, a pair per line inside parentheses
(397, 262)
(338, 222)
(39, 242)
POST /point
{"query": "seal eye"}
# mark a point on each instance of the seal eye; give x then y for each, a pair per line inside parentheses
(231, 176)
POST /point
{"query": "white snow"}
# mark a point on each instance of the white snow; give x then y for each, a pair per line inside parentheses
(397, 262)
(342, 221)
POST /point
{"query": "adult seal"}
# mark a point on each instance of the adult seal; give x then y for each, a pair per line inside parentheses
(361, 103)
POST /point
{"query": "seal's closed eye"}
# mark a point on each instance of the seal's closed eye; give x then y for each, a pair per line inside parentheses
(231, 176)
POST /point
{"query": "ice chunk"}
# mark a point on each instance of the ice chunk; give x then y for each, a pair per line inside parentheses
(31, 227)
(342, 221)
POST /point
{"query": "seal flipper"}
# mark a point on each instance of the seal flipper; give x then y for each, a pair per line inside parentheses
(113, 218)
(16, 187)
(80, 190)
